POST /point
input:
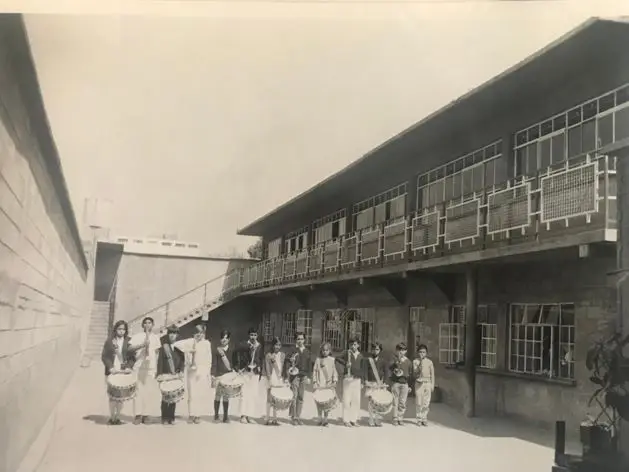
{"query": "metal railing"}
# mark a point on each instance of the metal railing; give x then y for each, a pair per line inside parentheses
(192, 302)
(576, 195)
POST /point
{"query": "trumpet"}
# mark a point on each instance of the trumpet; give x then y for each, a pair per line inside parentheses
(193, 362)
(293, 369)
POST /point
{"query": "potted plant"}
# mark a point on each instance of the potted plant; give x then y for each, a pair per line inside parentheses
(609, 370)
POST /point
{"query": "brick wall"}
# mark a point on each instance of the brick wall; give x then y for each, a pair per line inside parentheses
(582, 282)
(44, 294)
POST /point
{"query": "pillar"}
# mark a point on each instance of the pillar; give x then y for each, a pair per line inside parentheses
(471, 340)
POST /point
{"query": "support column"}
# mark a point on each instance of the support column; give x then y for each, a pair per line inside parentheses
(471, 340)
(622, 246)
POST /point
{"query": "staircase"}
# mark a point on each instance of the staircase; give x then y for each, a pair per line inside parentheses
(98, 330)
(193, 304)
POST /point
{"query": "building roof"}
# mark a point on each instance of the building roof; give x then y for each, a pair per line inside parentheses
(521, 78)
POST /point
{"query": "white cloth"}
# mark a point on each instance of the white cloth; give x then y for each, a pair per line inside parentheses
(198, 381)
(147, 393)
(118, 357)
(251, 394)
(351, 400)
(275, 379)
(144, 360)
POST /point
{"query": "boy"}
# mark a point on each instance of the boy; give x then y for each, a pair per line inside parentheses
(297, 368)
(424, 374)
(250, 359)
(353, 369)
(221, 364)
(375, 376)
(400, 374)
(170, 361)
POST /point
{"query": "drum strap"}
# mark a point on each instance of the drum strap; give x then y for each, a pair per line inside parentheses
(118, 347)
(324, 371)
(225, 360)
(169, 358)
(275, 368)
(372, 363)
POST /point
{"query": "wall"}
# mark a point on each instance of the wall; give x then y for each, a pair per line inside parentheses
(44, 289)
(570, 280)
(145, 282)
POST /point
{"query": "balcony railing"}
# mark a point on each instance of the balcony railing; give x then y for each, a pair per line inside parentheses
(568, 198)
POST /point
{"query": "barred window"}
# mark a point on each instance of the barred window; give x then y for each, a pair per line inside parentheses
(266, 328)
(487, 322)
(304, 324)
(288, 328)
(541, 340)
(333, 329)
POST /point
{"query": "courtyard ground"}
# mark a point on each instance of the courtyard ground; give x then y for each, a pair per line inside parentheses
(81, 441)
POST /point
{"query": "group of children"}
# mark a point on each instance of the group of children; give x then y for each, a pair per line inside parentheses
(149, 359)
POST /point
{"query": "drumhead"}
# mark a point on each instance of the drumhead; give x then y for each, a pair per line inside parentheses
(120, 380)
(230, 378)
(382, 396)
(170, 385)
(323, 395)
(283, 393)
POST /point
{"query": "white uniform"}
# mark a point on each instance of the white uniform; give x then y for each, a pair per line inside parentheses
(147, 394)
(197, 380)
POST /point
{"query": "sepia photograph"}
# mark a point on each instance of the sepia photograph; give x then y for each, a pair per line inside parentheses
(314, 235)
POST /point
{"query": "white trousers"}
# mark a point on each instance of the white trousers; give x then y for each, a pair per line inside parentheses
(251, 394)
(199, 393)
(147, 395)
(351, 400)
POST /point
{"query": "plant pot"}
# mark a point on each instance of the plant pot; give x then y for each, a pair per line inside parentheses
(597, 439)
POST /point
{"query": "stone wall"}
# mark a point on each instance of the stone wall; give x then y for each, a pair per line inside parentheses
(44, 288)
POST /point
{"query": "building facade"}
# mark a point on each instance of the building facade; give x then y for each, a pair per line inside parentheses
(489, 225)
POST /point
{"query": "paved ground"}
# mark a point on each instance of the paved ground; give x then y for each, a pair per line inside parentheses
(82, 441)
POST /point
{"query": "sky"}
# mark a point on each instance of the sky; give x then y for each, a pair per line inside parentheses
(195, 118)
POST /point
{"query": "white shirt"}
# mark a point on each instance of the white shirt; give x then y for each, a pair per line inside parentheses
(144, 361)
(202, 356)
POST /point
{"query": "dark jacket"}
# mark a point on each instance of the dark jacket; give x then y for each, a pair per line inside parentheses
(218, 366)
(109, 355)
(303, 361)
(243, 358)
(381, 368)
(163, 366)
(406, 366)
(357, 367)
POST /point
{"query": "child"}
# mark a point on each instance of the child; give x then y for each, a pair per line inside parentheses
(400, 374)
(375, 376)
(353, 368)
(117, 356)
(170, 361)
(297, 367)
(221, 364)
(198, 364)
(146, 345)
(273, 373)
(324, 375)
(424, 374)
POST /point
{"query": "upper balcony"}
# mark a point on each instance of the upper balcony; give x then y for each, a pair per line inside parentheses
(568, 204)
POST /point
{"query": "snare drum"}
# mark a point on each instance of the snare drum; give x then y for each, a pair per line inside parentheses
(380, 401)
(121, 387)
(172, 390)
(230, 385)
(325, 398)
(281, 398)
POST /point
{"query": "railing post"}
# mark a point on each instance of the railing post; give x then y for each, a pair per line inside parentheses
(166, 310)
(204, 293)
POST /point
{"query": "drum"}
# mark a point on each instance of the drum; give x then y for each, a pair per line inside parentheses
(325, 398)
(380, 401)
(172, 390)
(121, 387)
(230, 384)
(281, 397)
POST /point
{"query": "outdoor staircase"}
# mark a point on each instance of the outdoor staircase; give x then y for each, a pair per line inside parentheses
(98, 330)
(189, 306)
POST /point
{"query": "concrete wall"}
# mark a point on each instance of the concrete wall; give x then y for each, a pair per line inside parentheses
(44, 289)
(535, 400)
(145, 282)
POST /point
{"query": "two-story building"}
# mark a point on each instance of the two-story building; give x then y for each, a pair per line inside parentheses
(491, 223)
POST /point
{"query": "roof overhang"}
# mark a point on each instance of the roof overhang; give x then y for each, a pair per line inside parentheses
(582, 45)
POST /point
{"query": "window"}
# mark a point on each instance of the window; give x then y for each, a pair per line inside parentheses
(332, 329)
(452, 336)
(463, 176)
(304, 324)
(487, 318)
(296, 240)
(274, 248)
(572, 133)
(288, 328)
(329, 227)
(266, 330)
(384, 207)
(417, 320)
(541, 340)
(340, 326)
